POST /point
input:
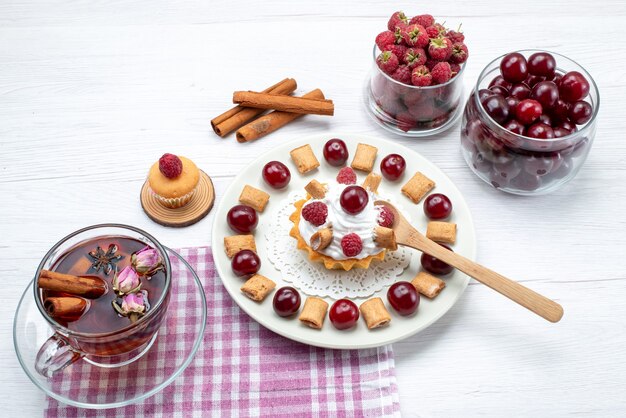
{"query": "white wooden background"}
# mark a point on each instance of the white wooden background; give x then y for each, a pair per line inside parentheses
(92, 92)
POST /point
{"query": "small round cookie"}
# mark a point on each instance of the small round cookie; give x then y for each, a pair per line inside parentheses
(171, 184)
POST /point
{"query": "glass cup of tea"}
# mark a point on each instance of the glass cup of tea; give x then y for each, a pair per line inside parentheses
(112, 264)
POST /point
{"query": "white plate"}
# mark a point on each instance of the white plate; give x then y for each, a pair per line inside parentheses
(358, 337)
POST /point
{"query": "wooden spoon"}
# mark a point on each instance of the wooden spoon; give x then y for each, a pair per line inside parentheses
(411, 237)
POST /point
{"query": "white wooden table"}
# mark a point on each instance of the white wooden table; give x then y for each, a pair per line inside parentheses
(91, 93)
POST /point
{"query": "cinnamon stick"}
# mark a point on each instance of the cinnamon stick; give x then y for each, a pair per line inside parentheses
(239, 115)
(90, 287)
(284, 103)
(68, 308)
(272, 121)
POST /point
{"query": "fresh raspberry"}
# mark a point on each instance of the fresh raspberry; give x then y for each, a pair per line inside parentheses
(397, 50)
(424, 20)
(402, 74)
(414, 57)
(405, 121)
(391, 103)
(422, 111)
(413, 97)
(442, 29)
(385, 38)
(455, 35)
(170, 165)
(346, 176)
(436, 30)
(385, 217)
(432, 32)
(444, 97)
(459, 53)
(387, 62)
(440, 48)
(421, 76)
(398, 18)
(351, 245)
(441, 73)
(415, 35)
(456, 68)
(315, 213)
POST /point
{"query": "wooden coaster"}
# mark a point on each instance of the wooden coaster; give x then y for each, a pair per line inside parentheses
(197, 208)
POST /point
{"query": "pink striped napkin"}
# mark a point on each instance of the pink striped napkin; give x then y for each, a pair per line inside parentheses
(243, 369)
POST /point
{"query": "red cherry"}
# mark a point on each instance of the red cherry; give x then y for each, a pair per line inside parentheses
(546, 93)
(560, 132)
(353, 199)
(500, 81)
(532, 80)
(480, 163)
(527, 182)
(540, 130)
(564, 170)
(344, 314)
(573, 86)
(483, 94)
(245, 263)
(515, 126)
(528, 110)
(514, 68)
(276, 174)
(520, 91)
(539, 165)
(392, 166)
(560, 111)
(496, 107)
(437, 206)
(580, 112)
(542, 64)
(286, 301)
(403, 298)
(568, 125)
(512, 102)
(506, 171)
(336, 152)
(500, 90)
(434, 265)
(242, 219)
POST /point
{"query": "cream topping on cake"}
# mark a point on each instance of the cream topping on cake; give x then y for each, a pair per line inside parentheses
(343, 223)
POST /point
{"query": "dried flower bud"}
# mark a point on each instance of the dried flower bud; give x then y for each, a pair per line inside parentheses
(133, 302)
(133, 306)
(126, 281)
(147, 261)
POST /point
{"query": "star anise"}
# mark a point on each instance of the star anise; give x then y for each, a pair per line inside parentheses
(105, 261)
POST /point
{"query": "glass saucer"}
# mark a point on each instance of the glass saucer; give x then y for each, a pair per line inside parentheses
(81, 383)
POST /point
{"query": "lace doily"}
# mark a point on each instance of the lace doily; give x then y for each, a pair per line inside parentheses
(313, 278)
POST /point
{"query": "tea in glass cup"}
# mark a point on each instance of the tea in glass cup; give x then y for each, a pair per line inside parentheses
(104, 290)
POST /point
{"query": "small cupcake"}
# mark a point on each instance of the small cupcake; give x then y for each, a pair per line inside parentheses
(173, 180)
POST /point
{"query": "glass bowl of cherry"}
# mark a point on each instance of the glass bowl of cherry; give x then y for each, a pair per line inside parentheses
(530, 121)
(411, 110)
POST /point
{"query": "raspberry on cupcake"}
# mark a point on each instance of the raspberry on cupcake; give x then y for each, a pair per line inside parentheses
(346, 176)
(173, 180)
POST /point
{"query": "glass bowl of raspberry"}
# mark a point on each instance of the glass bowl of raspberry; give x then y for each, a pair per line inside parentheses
(416, 82)
(529, 123)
